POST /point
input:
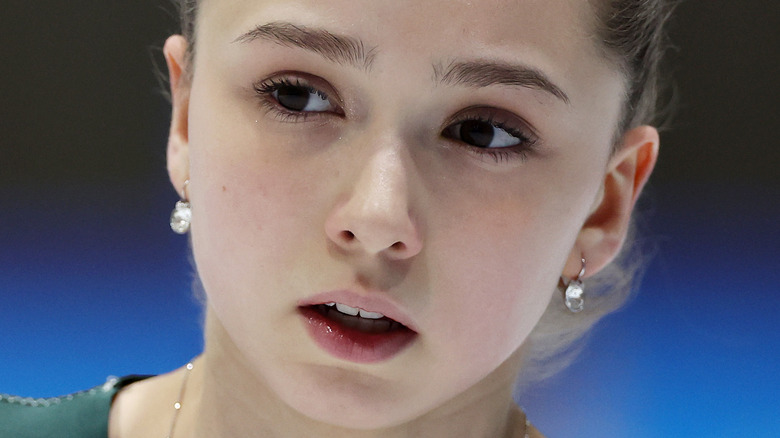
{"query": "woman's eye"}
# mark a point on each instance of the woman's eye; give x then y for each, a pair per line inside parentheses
(293, 96)
(297, 98)
(483, 134)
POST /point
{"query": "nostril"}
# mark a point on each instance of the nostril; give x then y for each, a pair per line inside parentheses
(398, 246)
(348, 235)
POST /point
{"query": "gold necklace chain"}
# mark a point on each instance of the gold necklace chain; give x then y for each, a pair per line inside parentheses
(177, 405)
(188, 369)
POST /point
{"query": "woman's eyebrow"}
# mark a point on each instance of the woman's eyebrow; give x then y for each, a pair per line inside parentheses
(337, 48)
(352, 51)
(487, 73)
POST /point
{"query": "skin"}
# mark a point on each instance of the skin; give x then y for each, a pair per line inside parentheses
(483, 241)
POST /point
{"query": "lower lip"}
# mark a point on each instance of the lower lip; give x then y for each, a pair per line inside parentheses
(353, 345)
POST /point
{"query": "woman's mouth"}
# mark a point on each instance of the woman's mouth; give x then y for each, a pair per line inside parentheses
(358, 319)
(355, 334)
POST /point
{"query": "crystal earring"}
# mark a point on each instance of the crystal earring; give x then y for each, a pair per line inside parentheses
(573, 296)
(182, 213)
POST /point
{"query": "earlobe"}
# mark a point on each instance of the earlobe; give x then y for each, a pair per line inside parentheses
(604, 231)
(175, 51)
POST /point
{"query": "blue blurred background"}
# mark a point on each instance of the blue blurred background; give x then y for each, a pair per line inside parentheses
(93, 282)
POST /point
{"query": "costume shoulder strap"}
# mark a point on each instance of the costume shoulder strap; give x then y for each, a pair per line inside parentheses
(80, 415)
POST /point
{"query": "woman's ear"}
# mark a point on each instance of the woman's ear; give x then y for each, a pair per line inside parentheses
(604, 231)
(175, 51)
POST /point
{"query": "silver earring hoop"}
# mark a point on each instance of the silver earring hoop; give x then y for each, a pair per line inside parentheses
(573, 296)
(181, 216)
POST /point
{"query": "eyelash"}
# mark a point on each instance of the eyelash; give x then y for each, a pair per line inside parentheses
(526, 146)
(527, 142)
(265, 90)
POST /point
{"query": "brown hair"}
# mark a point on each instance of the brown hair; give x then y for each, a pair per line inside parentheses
(188, 17)
(634, 36)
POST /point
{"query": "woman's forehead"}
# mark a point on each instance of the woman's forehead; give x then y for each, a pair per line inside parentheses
(552, 36)
(474, 22)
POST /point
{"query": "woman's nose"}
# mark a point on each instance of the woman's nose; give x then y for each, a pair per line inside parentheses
(375, 217)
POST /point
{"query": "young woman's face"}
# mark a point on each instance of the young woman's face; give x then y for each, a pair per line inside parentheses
(432, 161)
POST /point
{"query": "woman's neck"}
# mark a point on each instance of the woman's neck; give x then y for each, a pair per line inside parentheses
(227, 398)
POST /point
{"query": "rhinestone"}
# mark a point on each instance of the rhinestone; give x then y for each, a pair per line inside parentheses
(574, 300)
(181, 217)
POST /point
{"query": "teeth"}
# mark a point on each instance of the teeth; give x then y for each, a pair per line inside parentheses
(343, 308)
(370, 315)
(352, 311)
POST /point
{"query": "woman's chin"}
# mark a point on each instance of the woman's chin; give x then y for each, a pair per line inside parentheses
(352, 403)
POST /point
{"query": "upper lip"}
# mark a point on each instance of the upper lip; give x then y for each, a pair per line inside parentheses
(373, 302)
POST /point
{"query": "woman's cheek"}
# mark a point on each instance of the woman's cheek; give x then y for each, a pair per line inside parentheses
(495, 271)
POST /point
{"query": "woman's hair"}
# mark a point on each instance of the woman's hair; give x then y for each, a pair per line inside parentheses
(632, 35)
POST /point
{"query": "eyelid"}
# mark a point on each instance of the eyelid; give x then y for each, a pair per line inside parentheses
(305, 80)
(499, 117)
